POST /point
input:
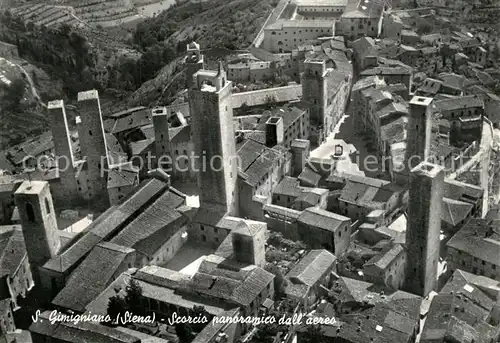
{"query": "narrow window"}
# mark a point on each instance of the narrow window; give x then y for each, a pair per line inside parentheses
(29, 212)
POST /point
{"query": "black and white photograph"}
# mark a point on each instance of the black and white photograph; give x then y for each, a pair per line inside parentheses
(249, 171)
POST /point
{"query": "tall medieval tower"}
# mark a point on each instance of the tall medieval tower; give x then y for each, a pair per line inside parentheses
(162, 139)
(419, 132)
(194, 62)
(38, 221)
(424, 225)
(63, 150)
(314, 95)
(214, 139)
(93, 142)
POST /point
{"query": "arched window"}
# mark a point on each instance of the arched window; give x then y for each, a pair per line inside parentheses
(30, 212)
(47, 205)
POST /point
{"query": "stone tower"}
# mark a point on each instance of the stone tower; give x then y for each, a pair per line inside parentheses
(314, 95)
(424, 225)
(63, 150)
(419, 132)
(162, 139)
(93, 142)
(194, 62)
(249, 240)
(214, 139)
(38, 221)
(300, 153)
(275, 133)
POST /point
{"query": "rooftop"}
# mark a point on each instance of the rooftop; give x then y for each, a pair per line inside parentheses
(479, 238)
(311, 268)
(91, 277)
(322, 219)
(458, 103)
(83, 332)
(106, 224)
(88, 95)
(12, 249)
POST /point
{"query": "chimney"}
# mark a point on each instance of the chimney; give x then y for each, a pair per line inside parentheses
(274, 131)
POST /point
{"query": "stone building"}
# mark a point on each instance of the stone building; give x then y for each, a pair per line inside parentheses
(419, 132)
(424, 225)
(15, 272)
(213, 136)
(361, 19)
(39, 224)
(464, 115)
(325, 91)
(284, 35)
(475, 248)
(323, 229)
(93, 139)
(249, 241)
(63, 151)
(387, 267)
(194, 61)
(308, 278)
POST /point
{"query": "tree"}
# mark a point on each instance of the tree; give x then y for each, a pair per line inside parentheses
(184, 332)
(116, 306)
(266, 333)
(280, 282)
(14, 94)
(133, 297)
(271, 101)
(314, 334)
(199, 312)
(424, 27)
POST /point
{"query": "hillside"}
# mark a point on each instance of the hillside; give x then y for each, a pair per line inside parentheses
(23, 90)
(219, 26)
(147, 70)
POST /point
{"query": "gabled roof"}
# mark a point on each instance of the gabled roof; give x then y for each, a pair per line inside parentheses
(92, 276)
(458, 103)
(289, 186)
(350, 290)
(106, 224)
(154, 226)
(455, 211)
(12, 249)
(322, 219)
(479, 238)
(133, 120)
(386, 256)
(122, 177)
(79, 333)
(311, 267)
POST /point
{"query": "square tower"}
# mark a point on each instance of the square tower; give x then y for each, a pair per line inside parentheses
(194, 62)
(300, 154)
(63, 149)
(419, 132)
(162, 139)
(275, 133)
(93, 142)
(249, 241)
(314, 93)
(214, 139)
(424, 226)
(38, 221)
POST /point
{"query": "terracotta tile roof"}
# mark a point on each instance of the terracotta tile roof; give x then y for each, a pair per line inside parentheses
(92, 276)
